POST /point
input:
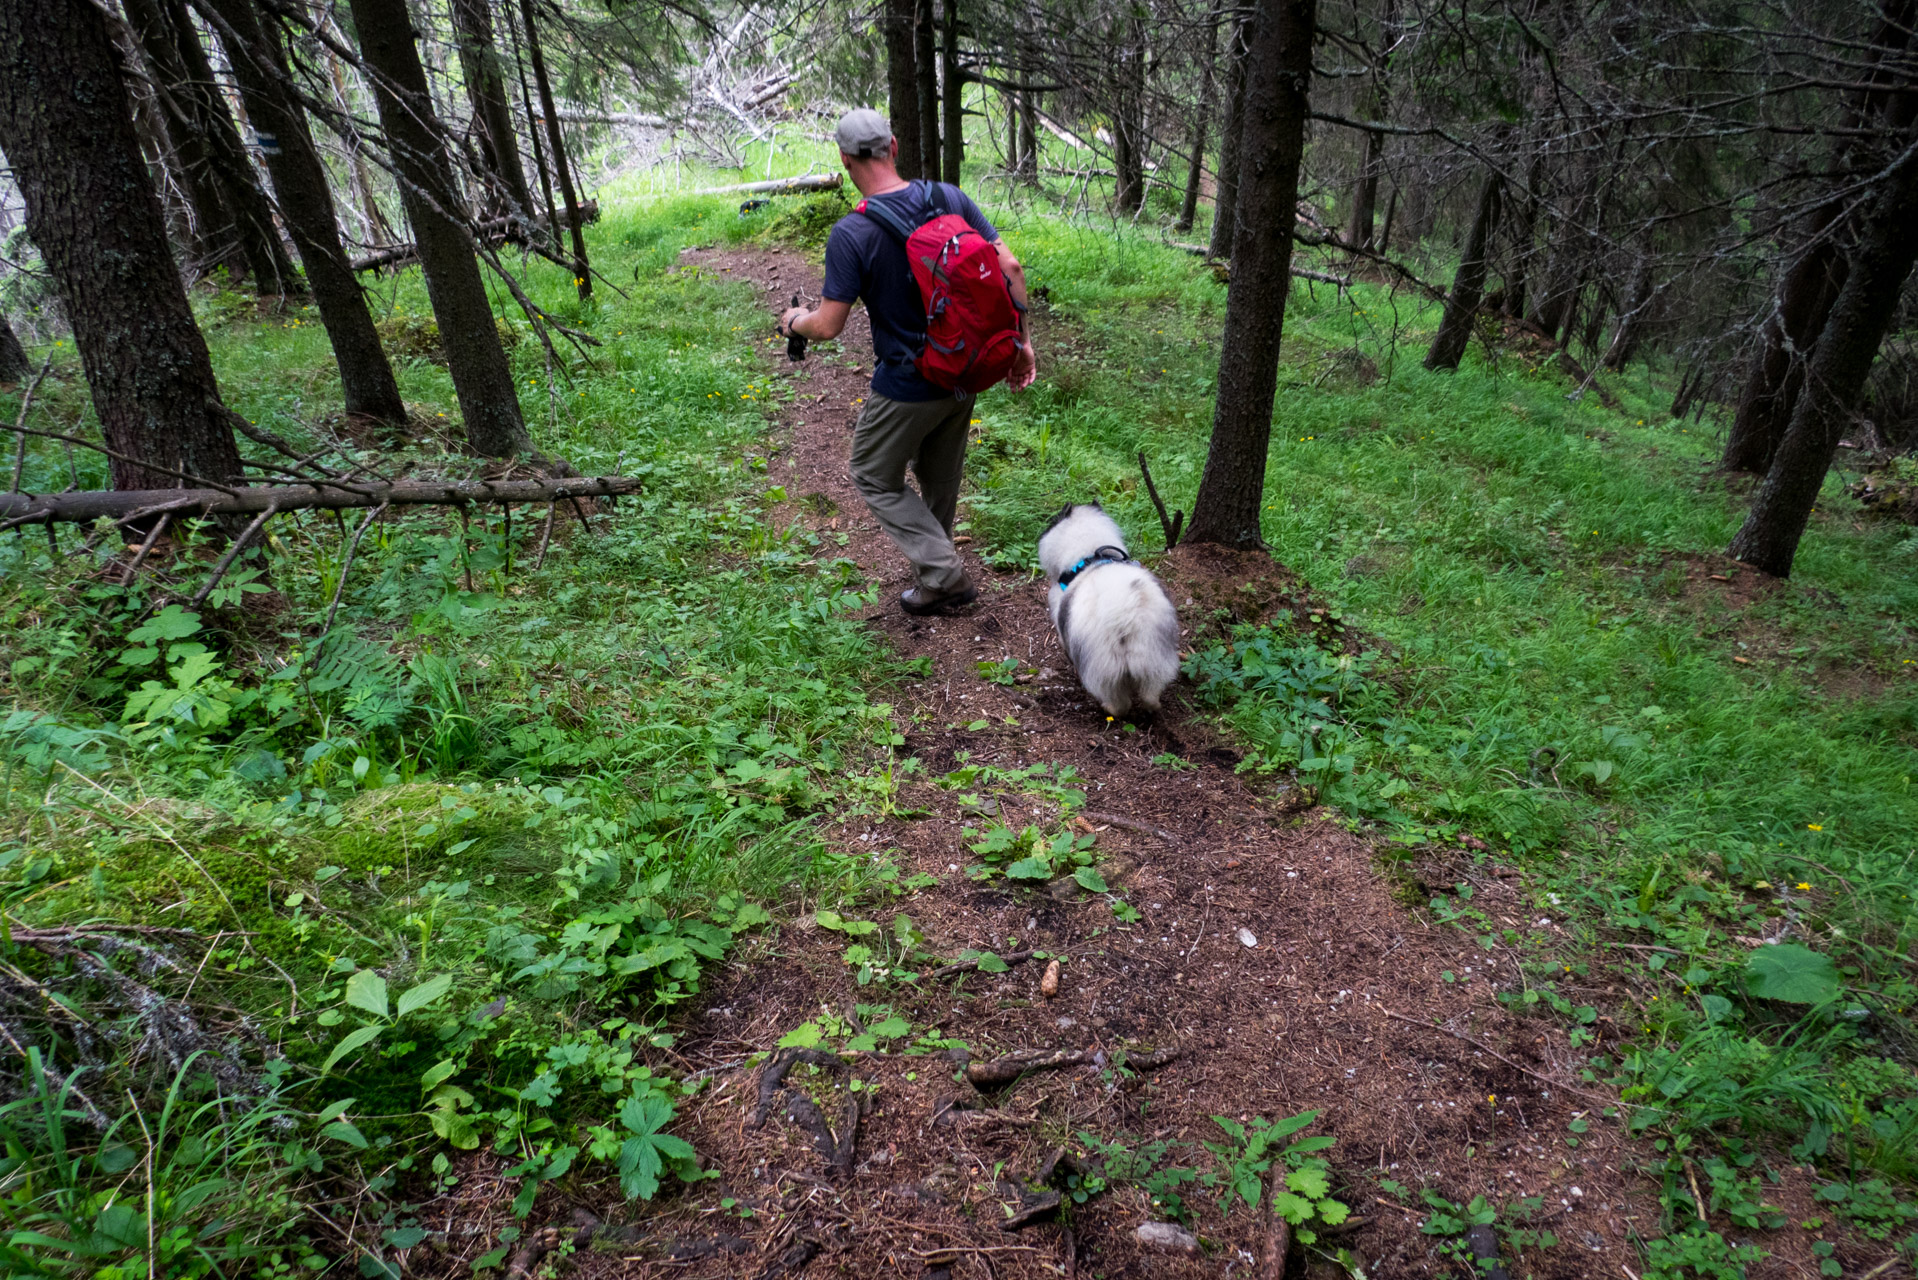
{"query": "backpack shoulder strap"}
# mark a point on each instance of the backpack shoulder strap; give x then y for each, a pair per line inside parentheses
(888, 218)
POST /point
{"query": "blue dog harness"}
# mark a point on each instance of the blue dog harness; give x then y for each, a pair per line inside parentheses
(1102, 555)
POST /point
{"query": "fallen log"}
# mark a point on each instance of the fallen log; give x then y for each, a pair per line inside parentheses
(579, 115)
(492, 233)
(1302, 273)
(88, 505)
(778, 186)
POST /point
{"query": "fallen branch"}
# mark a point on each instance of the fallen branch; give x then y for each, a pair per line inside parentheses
(580, 115)
(1170, 526)
(85, 506)
(1302, 273)
(779, 186)
(967, 966)
(773, 1077)
(1278, 1232)
(1481, 1045)
(1005, 1070)
(492, 231)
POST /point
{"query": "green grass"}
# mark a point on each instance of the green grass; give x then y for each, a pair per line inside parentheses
(1547, 673)
(456, 864)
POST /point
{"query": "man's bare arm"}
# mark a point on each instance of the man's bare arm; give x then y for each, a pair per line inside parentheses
(821, 324)
(1014, 273)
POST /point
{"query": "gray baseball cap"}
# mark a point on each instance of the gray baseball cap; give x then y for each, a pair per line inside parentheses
(865, 133)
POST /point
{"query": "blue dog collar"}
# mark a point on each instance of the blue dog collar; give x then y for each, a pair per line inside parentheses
(1103, 555)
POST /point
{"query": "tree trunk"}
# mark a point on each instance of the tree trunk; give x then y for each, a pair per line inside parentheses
(378, 232)
(556, 147)
(1225, 203)
(299, 179)
(1804, 303)
(1278, 80)
(953, 90)
(1028, 128)
(1195, 167)
(492, 111)
(206, 108)
(13, 356)
(1365, 192)
(1880, 262)
(1385, 231)
(1631, 321)
(1128, 117)
(488, 399)
(66, 126)
(925, 64)
(902, 85)
(1468, 286)
(216, 241)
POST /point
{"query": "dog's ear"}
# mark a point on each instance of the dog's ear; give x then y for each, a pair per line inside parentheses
(1065, 513)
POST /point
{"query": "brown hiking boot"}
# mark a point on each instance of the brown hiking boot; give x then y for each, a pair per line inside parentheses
(921, 601)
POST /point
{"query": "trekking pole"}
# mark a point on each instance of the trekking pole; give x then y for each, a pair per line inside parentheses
(795, 342)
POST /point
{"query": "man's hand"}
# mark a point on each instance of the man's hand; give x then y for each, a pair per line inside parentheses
(1025, 367)
(789, 317)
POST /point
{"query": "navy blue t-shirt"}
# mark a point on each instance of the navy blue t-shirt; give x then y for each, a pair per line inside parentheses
(864, 261)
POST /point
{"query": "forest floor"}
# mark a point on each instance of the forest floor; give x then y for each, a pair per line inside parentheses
(1271, 950)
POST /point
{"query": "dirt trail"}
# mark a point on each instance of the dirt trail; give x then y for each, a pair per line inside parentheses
(1271, 953)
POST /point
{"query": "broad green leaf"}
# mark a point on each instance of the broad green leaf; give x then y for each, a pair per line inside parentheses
(345, 1131)
(1293, 1209)
(437, 1074)
(357, 1040)
(804, 1036)
(891, 1028)
(334, 1110)
(1793, 974)
(367, 990)
(424, 994)
(1032, 868)
(989, 962)
(1333, 1212)
(1091, 881)
(1311, 1183)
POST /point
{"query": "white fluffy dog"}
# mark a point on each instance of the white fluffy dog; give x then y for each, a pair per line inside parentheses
(1112, 615)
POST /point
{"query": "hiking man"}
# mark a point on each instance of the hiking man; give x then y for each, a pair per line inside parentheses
(908, 419)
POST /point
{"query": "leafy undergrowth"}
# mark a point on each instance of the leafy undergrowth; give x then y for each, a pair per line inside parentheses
(295, 917)
(1525, 658)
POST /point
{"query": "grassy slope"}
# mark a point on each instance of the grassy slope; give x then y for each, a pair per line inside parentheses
(548, 788)
(1558, 683)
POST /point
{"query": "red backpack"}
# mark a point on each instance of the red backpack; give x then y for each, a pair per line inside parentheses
(974, 329)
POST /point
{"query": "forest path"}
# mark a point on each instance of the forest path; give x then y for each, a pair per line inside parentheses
(1329, 1008)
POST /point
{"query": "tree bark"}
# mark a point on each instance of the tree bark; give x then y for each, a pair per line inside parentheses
(925, 61)
(488, 399)
(492, 110)
(1128, 116)
(556, 147)
(1468, 286)
(205, 108)
(1278, 81)
(299, 179)
(952, 90)
(902, 85)
(85, 506)
(216, 241)
(1225, 203)
(13, 356)
(1863, 311)
(66, 126)
(1195, 167)
(1365, 191)
(1632, 320)
(1803, 305)
(378, 232)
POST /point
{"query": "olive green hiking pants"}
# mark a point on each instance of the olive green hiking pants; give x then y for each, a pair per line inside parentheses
(931, 438)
